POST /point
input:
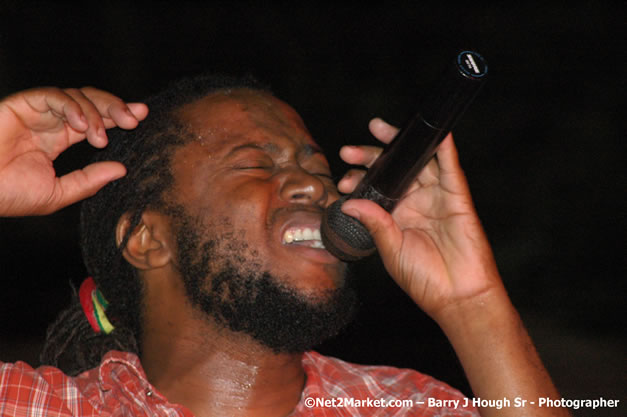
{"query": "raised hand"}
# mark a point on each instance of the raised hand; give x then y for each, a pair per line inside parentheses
(433, 244)
(39, 124)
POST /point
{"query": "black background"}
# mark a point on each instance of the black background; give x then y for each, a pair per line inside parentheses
(542, 146)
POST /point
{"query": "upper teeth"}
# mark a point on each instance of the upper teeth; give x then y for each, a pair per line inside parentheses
(303, 234)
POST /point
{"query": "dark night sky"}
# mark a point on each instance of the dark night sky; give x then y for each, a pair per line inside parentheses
(543, 148)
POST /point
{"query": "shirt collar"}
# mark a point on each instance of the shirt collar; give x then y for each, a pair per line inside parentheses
(124, 369)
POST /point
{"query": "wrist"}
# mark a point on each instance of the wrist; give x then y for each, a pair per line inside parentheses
(496, 352)
(487, 311)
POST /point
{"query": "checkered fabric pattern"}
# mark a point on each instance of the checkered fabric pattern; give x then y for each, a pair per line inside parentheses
(118, 387)
(331, 378)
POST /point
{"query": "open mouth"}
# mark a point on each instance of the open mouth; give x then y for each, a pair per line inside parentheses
(304, 236)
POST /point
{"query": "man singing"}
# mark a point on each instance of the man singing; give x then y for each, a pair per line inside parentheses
(201, 230)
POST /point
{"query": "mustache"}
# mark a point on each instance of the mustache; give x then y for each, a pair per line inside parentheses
(292, 208)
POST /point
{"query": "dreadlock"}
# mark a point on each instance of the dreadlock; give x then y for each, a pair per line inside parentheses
(146, 151)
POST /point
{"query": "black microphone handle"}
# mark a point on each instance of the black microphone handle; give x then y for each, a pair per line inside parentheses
(402, 160)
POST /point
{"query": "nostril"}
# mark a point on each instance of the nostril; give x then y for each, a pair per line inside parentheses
(302, 187)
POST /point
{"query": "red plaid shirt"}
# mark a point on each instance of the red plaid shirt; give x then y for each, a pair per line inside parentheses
(118, 387)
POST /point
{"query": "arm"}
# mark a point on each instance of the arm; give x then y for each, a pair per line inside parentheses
(434, 247)
(36, 126)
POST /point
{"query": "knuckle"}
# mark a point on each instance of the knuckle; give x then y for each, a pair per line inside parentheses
(71, 91)
(386, 222)
(88, 89)
(48, 90)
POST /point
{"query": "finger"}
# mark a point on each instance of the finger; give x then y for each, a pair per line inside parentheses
(139, 110)
(386, 234)
(84, 183)
(350, 180)
(95, 133)
(430, 174)
(452, 176)
(360, 155)
(56, 103)
(447, 154)
(126, 116)
(114, 110)
(382, 130)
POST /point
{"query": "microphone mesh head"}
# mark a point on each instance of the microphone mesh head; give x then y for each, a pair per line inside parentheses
(345, 237)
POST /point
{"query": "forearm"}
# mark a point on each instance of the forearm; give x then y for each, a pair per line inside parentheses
(498, 356)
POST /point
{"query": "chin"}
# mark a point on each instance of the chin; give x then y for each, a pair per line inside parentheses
(314, 281)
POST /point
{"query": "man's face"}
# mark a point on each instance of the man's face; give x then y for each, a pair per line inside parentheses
(252, 188)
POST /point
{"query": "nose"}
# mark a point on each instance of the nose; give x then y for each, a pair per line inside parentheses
(301, 187)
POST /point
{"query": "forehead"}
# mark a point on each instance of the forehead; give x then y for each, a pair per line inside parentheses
(229, 118)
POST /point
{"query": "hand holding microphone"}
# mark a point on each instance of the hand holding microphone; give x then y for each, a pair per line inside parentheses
(401, 161)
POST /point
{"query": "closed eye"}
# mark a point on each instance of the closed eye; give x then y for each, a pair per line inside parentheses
(254, 165)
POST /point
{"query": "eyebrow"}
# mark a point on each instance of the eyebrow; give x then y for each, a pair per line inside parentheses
(267, 147)
(307, 150)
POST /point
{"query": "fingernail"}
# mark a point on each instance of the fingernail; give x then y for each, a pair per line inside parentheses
(350, 212)
(101, 134)
(347, 148)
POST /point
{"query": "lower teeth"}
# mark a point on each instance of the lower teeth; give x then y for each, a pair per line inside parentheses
(317, 244)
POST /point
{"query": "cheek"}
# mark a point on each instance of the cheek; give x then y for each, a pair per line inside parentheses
(244, 200)
(238, 210)
(245, 212)
(247, 205)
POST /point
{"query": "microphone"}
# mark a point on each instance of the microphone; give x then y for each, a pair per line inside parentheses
(408, 153)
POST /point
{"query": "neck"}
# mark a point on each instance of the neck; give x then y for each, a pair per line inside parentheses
(214, 371)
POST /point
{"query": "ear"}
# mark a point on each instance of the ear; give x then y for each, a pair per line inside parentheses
(148, 245)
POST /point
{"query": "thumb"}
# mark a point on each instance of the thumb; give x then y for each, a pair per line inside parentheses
(84, 183)
(387, 235)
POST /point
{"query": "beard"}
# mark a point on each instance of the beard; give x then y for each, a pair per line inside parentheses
(223, 279)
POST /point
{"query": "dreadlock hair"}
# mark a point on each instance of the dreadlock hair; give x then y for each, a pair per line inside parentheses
(146, 152)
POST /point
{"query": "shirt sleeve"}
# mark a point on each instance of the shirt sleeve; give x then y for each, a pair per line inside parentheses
(24, 391)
